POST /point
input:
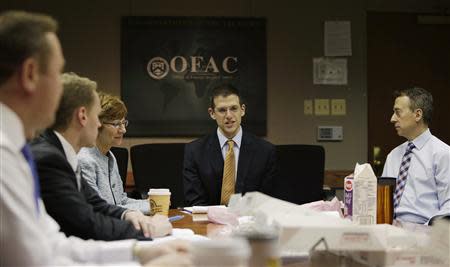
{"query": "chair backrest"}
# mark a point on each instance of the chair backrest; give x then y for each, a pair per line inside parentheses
(159, 166)
(121, 155)
(300, 173)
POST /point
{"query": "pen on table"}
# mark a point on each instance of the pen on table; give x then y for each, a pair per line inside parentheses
(186, 210)
(176, 218)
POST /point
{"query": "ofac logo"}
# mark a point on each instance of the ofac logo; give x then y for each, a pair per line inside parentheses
(158, 68)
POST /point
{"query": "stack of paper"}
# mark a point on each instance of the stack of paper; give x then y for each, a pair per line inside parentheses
(199, 213)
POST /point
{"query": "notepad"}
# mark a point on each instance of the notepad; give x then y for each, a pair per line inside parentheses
(201, 209)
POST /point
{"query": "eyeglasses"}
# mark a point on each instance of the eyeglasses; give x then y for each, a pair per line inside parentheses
(117, 124)
(223, 111)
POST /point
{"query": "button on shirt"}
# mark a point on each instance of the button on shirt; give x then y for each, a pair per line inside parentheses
(427, 189)
(237, 139)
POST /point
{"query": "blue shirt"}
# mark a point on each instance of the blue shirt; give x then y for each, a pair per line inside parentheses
(427, 190)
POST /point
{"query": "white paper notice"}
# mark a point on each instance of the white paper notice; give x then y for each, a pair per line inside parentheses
(338, 40)
(330, 71)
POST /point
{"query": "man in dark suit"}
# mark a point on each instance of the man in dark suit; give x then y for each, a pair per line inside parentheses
(229, 160)
(77, 208)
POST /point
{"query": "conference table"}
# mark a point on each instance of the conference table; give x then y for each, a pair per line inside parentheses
(209, 229)
(199, 228)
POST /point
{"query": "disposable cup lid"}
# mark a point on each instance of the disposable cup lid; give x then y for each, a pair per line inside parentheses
(158, 191)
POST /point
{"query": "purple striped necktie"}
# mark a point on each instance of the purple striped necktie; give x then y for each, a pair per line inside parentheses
(402, 175)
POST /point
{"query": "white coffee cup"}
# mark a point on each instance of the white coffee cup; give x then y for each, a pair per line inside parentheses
(159, 200)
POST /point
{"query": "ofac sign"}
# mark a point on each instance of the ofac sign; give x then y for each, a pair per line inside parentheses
(159, 67)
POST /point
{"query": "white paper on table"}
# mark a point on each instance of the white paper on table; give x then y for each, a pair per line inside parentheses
(177, 233)
(201, 209)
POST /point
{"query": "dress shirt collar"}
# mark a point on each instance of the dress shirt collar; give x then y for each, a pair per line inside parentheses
(71, 155)
(422, 139)
(12, 126)
(223, 139)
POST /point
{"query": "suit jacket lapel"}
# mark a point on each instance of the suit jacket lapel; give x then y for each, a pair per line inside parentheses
(51, 137)
(215, 154)
(246, 153)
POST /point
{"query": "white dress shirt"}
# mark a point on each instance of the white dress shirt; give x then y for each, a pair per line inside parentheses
(237, 139)
(427, 189)
(71, 157)
(31, 238)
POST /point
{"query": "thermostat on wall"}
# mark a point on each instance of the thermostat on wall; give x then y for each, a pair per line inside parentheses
(330, 133)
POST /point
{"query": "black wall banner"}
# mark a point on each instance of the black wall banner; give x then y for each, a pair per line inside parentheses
(169, 65)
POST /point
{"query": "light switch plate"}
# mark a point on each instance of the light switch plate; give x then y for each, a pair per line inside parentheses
(307, 107)
(321, 107)
(338, 107)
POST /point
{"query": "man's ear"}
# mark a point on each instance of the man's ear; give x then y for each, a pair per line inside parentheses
(418, 114)
(82, 115)
(211, 113)
(29, 75)
(243, 110)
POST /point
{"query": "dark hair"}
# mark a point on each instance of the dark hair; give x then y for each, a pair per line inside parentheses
(23, 35)
(224, 90)
(419, 99)
(77, 92)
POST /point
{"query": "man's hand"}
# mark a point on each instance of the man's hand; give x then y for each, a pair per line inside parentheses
(155, 226)
(169, 250)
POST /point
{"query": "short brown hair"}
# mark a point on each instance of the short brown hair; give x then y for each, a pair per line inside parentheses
(112, 108)
(419, 99)
(23, 35)
(224, 90)
(77, 92)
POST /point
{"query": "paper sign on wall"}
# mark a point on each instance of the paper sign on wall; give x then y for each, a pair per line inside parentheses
(330, 71)
(337, 37)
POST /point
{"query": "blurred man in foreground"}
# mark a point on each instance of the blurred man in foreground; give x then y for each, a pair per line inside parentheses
(31, 62)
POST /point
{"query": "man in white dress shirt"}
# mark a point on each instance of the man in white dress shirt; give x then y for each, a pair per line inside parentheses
(421, 164)
(31, 62)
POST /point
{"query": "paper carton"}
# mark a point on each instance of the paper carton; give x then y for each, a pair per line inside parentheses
(364, 195)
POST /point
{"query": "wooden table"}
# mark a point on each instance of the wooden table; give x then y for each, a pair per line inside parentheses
(199, 228)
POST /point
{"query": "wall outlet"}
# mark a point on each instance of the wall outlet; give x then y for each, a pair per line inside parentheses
(338, 107)
(321, 107)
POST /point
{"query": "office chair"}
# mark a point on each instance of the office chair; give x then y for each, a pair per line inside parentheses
(121, 155)
(300, 173)
(159, 166)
